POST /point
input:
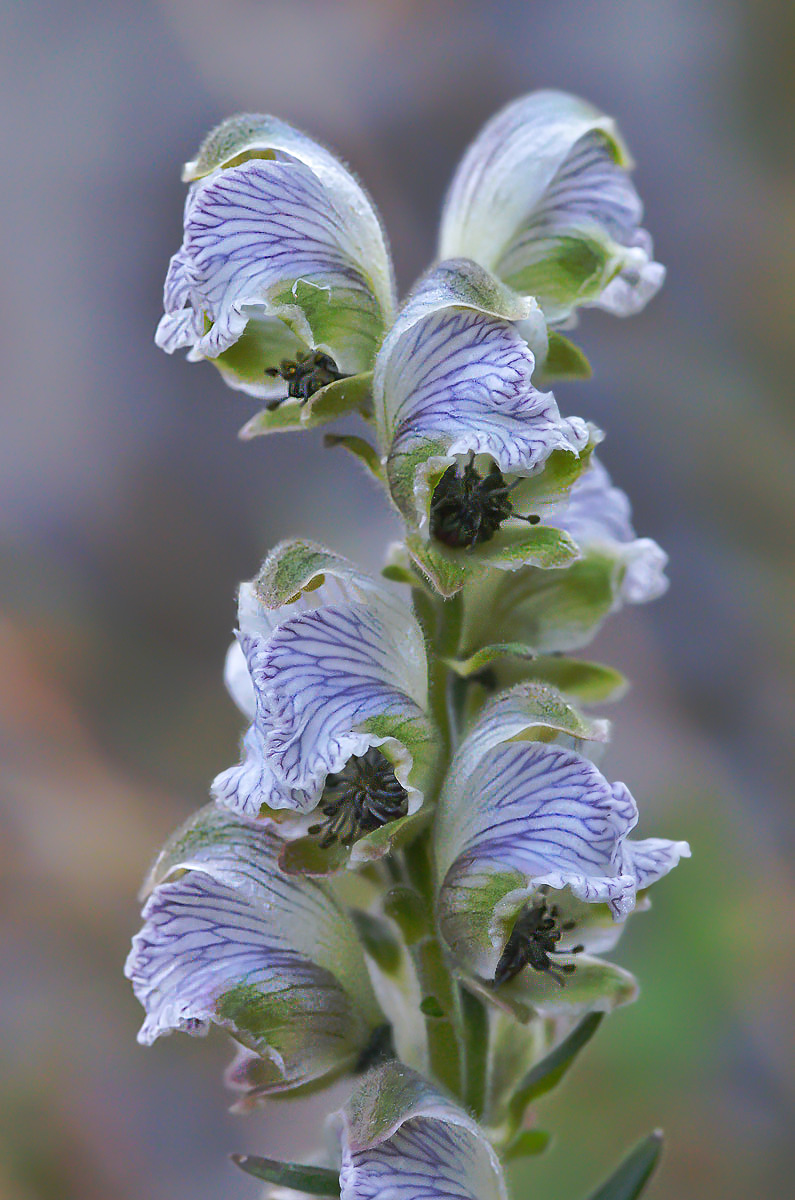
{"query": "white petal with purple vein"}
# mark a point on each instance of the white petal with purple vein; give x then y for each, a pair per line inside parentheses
(402, 1139)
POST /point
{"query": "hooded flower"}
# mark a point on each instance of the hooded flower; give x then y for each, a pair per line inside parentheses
(459, 422)
(543, 199)
(534, 857)
(561, 610)
(283, 279)
(330, 667)
(400, 1136)
(228, 940)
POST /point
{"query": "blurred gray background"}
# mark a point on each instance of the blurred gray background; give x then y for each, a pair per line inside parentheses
(129, 511)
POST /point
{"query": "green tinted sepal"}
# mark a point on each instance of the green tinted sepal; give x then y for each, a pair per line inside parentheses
(359, 448)
(335, 400)
(564, 361)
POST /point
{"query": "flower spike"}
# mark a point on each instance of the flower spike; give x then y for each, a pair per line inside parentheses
(543, 199)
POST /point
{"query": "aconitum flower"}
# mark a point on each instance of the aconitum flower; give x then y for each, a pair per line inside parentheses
(330, 667)
(532, 849)
(228, 940)
(550, 611)
(543, 199)
(400, 1136)
(283, 279)
(460, 423)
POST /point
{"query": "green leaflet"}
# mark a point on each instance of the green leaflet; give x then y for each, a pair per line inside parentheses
(631, 1176)
(316, 1181)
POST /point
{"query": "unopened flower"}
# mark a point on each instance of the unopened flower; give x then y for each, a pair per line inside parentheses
(460, 423)
(283, 279)
(543, 199)
(399, 1135)
(330, 667)
(228, 940)
(533, 856)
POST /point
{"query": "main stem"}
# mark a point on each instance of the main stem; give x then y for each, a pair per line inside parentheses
(457, 1024)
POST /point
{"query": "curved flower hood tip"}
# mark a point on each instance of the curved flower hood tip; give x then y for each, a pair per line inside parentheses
(453, 379)
(543, 199)
(229, 940)
(284, 278)
(330, 667)
(399, 1135)
(532, 841)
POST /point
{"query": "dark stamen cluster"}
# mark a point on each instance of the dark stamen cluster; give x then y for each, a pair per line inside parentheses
(533, 938)
(304, 375)
(359, 798)
(468, 508)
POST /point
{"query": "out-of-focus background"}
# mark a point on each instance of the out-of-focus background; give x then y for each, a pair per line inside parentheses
(129, 511)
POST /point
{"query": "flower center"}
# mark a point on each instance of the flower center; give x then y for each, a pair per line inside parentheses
(304, 375)
(533, 939)
(362, 796)
(468, 508)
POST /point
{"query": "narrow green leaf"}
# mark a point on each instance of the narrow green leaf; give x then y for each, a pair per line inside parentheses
(317, 1181)
(360, 449)
(529, 1141)
(547, 1073)
(631, 1176)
